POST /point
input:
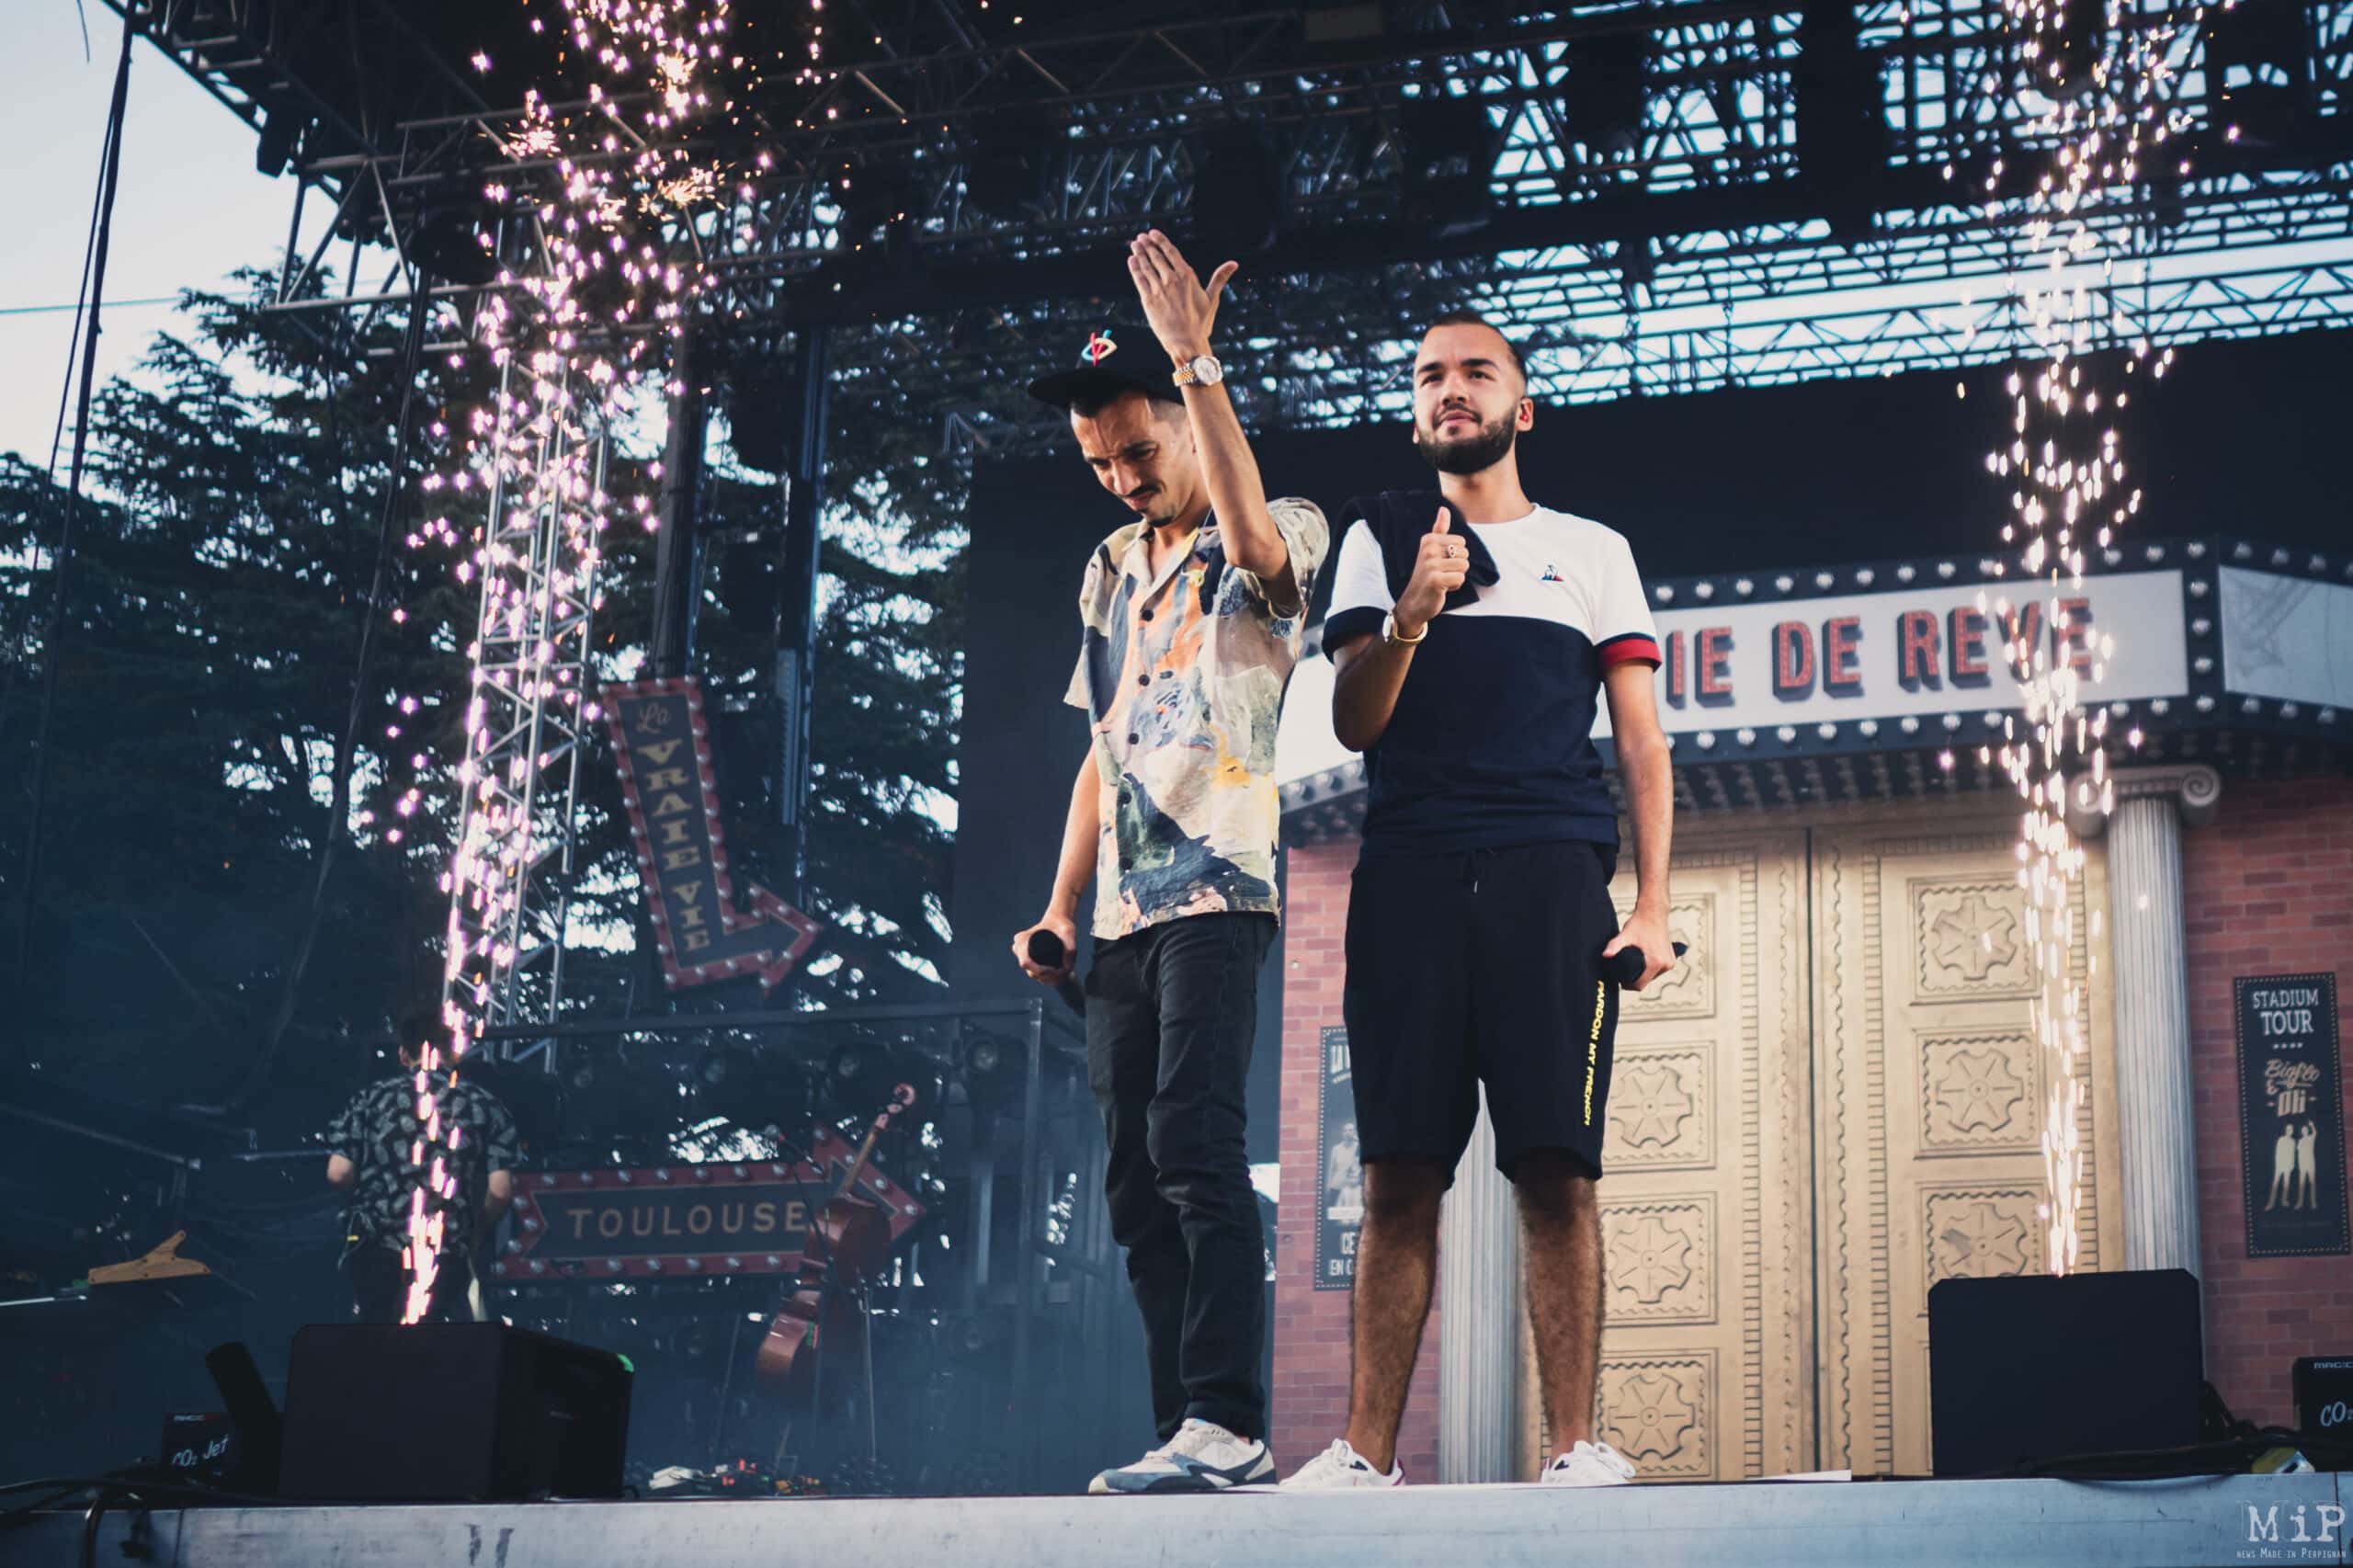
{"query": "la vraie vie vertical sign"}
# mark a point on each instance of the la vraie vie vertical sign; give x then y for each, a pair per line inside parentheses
(672, 790)
(1339, 1170)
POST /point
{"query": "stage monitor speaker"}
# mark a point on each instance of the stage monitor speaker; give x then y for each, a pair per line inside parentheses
(451, 1413)
(2323, 1389)
(2026, 1370)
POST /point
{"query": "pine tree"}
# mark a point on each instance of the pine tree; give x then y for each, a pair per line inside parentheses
(205, 676)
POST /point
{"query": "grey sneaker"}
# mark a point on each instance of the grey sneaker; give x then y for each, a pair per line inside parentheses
(1101, 1484)
(1201, 1457)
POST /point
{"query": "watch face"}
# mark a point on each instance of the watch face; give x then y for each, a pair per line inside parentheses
(1208, 370)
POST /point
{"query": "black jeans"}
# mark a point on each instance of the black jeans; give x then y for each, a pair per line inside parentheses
(380, 1286)
(1170, 1015)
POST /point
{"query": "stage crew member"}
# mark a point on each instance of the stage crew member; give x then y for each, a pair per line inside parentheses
(373, 1145)
(1191, 616)
(1474, 633)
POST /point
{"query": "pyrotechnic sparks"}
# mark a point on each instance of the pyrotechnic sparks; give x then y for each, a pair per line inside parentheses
(570, 333)
(2106, 115)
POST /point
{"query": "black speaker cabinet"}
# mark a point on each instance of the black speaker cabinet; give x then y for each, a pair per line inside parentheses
(2324, 1388)
(449, 1412)
(2032, 1369)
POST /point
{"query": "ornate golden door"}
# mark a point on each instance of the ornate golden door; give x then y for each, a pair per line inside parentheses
(1930, 1090)
(1834, 1102)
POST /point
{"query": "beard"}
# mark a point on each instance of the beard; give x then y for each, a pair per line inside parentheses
(1474, 453)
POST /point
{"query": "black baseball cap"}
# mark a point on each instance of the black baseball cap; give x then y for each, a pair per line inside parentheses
(1096, 382)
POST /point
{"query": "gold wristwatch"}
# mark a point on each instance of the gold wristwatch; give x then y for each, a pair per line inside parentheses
(1203, 371)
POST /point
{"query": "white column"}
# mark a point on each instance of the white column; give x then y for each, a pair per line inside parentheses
(1478, 1325)
(2149, 967)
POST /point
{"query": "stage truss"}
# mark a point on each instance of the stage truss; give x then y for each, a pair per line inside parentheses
(1659, 198)
(1681, 195)
(510, 883)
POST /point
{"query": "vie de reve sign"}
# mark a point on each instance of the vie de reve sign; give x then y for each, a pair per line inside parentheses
(1921, 651)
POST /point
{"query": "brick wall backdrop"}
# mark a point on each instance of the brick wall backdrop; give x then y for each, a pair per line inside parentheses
(2267, 889)
(1310, 1393)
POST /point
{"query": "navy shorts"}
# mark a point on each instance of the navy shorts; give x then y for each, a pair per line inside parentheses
(1481, 966)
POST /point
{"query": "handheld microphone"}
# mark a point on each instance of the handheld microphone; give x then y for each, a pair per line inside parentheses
(1046, 951)
(1626, 965)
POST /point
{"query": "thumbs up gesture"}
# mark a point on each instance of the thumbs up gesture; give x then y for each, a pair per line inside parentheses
(1439, 568)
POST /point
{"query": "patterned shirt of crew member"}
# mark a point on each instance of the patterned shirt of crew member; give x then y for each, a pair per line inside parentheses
(377, 1133)
(1183, 673)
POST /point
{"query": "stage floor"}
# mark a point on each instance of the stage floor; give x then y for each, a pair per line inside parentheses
(2204, 1523)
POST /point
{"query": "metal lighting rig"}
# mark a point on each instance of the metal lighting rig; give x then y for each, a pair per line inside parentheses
(1670, 196)
(1661, 196)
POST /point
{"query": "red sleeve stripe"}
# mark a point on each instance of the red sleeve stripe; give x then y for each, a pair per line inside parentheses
(1630, 646)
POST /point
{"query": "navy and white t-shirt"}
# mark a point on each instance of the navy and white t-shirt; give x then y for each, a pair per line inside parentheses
(1491, 742)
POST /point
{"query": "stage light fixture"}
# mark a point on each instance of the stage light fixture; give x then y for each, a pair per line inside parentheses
(1842, 120)
(981, 1334)
(532, 1099)
(1447, 146)
(1237, 195)
(1347, 30)
(763, 405)
(2083, 29)
(1607, 96)
(449, 244)
(282, 134)
(713, 1070)
(1013, 156)
(992, 1068)
(857, 1075)
(2258, 64)
(753, 1089)
(595, 1101)
(872, 198)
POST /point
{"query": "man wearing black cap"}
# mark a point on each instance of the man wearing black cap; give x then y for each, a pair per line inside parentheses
(1192, 616)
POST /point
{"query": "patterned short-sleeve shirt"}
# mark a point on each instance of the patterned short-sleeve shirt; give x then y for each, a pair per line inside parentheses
(377, 1133)
(1182, 673)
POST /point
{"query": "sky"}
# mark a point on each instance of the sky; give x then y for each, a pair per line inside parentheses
(190, 207)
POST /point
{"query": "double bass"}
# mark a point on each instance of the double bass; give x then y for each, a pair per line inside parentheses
(848, 1240)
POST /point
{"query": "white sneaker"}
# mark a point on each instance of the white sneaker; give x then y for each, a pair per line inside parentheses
(1201, 1457)
(1341, 1466)
(1588, 1464)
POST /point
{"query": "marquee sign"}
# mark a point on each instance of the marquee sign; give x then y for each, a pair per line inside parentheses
(685, 1222)
(1920, 651)
(1908, 656)
(671, 787)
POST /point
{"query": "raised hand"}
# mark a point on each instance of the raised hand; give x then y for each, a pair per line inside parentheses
(1439, 567)
(1181, 309)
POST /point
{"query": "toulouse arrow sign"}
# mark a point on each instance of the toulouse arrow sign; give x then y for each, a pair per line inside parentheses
(684, 1222)
(672, 789)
